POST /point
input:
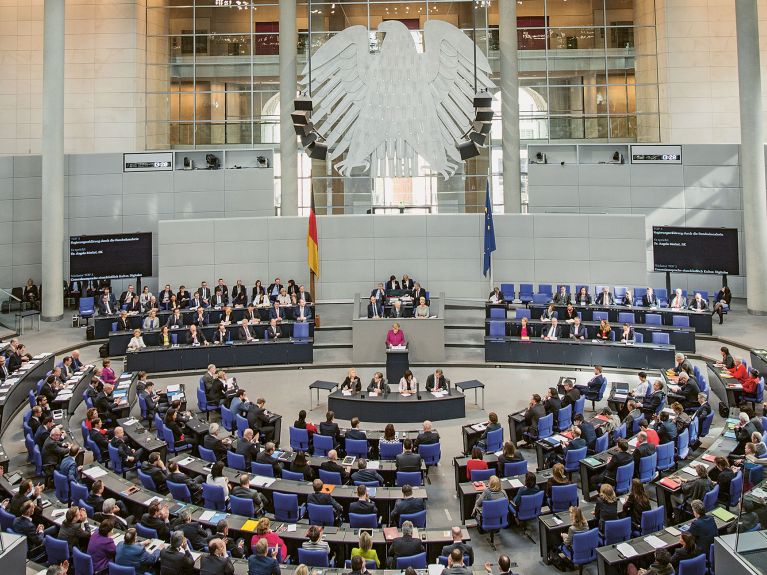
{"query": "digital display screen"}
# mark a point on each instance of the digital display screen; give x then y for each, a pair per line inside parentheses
(695, 250)
(110, 256)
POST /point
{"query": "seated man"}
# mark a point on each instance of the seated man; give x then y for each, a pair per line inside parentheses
(375, 308)
(594, 385)
(363, 505)
(365, 475)
(458, 543)
(427, 436)
(408, 460)
(320, 498)
(331, 464)
(244, 491)
(212, 442)
(406, 506)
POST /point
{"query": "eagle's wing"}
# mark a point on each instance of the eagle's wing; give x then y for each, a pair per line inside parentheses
(339, 75)
(449, 72)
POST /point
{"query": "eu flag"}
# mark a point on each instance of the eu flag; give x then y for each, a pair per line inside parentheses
(489, 231)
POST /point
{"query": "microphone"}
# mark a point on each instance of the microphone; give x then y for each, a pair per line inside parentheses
(418, 390)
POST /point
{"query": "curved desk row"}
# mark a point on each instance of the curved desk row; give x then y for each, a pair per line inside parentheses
(237, 354)
(701, 321)
(14, 391)
(395, 408)
(119, 340)
(103, 323)
(682, 338)
(571, 352)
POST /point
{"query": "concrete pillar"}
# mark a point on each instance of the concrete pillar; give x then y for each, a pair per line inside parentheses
(752, 154)
(53, 162)
(288, 86)
(507, 32)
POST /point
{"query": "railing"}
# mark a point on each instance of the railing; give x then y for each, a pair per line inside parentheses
(10, 305)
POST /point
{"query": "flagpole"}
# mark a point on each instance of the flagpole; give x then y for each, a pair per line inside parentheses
(490, 186)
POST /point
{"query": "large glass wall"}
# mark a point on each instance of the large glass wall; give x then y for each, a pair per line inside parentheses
(588, 71)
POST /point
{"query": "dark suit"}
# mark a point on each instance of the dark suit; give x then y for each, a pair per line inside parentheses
(219, 300)
(53, 452)
(406, 507)
(427, 438)
(551, 331)
(651, 301)
(363, 507)
(579, 332)
(174, 321)
(382, 387)
(416, 295)
(199, 337)
(248, 450)
(334, 467)
(530, 422)
(397, 313)
(195, 303)
(239, 295)
(407, 285)
(464, 547)
(375, 310)
(392, 285)
(409, 461)
(216, 445)
(652, 404)
(274, 332)
(605, 298)
(176, 562)
(378, 294)
(246, 333)
(106, 308)
(215, 565)
(355, 433)
(330, 429)
(430, 382)
(642, 451)
(123, 324)
(196, 534)
(267, 459)
(404, 546)
(367, 475)
(221, 337)
(325, 499)
(258, 420)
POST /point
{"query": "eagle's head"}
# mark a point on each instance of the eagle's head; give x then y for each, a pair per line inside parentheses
(394, 29)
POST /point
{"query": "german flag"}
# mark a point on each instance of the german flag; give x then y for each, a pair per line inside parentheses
(312, 243)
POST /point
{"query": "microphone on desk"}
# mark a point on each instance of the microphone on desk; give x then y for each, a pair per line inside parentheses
(418, 390)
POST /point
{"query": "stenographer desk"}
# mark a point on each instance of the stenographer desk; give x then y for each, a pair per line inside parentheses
(682, 338)
(395, 408)
(14, 391)
(103, 323)
(236, 354)
(119, 340)
(572, 352)
(700, 320)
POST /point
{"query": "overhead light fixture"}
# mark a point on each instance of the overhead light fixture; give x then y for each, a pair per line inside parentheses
(483, 99)
(481, 127)
(468, 149)
(302, 104)
(300, 117)
(478, 138)
(317, 151)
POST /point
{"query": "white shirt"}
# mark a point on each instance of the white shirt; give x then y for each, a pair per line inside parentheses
(403, 385)
(641, 389)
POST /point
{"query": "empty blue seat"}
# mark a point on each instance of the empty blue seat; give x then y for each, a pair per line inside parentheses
(680, 321)
(660, 338)
(519, 313)
(653, 319)
(497, 328)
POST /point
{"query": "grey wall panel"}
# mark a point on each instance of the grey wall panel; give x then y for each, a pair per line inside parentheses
(6, 210)
(6, 167)
(6, 278)
(148, 204)
(251, 251)
(95, 184)
(197, 202)
(561, 248)
(616, 249)
(604, 175)
(554, 209)
(512, 270)
(715, 218)
(26, 253)
(96, 205)
(415, 268)
(347, 227)
(605, 198)
(711, 154)
(288, 250)
(570, 270)
(712, 176)
(553, 174)
(612, 226)
(233, 230)
(447, 271)
(25, 188)
(508, 226)
(618, 273)
(652, 175)
(560, 226)
(347, 251)
(95, 164)
(454, 226)
(139, 183)
(657, 197)
(394, 226)
(27, 166)
(22, 272)
(7, 234)
(23, 232)
(454, 248)
(24, 210)
(409, 247)
(94, 225)
(713, 198)
(6, 188)
(360, 271)
(198, 181)
(553, 196)
(511, 248)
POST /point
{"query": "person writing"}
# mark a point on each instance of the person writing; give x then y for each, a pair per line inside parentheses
(407, 385)
(395, 337)
(436, 381)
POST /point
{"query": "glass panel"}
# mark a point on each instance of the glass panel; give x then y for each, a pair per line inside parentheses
(566, 99)
(580, 13)
(531, 38)
(644, 40)
(623, 127)
(576, 39)
(230, 45)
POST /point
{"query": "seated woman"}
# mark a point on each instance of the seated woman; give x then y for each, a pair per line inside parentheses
(583, 297)
(165, 340)
(283, 297)
(476, 462)
(301, 423)
(108, 374)
(301, 465)
(579, 525)
(492, 492)
(495, 296)
(352, 382)
(628, 298)
(395, 337)
(31, 293)
(603, 333)
(524, 330)
(606, 508)
(390, 435)
(682, 420)
(529, 488)
(217, 477)
(751, 382)
(365, 549)
(558, 478)
(549, 313)
(636, 503)
(136, 342)
(422, 310)
(722, 303)
(509, 455)
(408, 382)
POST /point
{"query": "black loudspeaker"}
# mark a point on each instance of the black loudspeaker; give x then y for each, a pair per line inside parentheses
(304, 104)
(468, 150)
(90, 333)
(317, 151)
(483, 100)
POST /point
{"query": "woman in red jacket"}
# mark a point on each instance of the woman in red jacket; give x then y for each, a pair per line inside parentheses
(739, 372)
(476, 462)
(751, 383)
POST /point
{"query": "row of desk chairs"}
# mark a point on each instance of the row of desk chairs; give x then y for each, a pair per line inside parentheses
(527, 293)
(628, 317)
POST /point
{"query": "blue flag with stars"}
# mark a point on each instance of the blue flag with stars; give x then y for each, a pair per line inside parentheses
(489, 231)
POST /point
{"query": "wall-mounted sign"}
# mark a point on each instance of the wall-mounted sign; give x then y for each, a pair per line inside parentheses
(656, 154)
(148, 162)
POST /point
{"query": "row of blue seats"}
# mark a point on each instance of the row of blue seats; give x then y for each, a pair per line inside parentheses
(527, 292)
(498, 329)
(628, 317)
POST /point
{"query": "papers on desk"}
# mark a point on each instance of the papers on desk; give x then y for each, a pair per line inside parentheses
(557, 520)
(261, 481)
(398, 347)
(95, 472)
(173, 388)
(207, 515)
(118, 538)
(515, 483)
(673, 531)
(633, 441)
(690, 471)
(620, 396)
(759, 493)
(195, 555)
(723, 514)
(439, 393)
(151, 500)
(346, 392)
(626, 550)
(374, 464)
(186, 461)
(405, 394)
(130, 421)
(479, 427)
(654, 542)
(39, 356)
(292, 527)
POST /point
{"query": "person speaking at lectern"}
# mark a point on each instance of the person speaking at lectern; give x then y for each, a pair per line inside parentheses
(395, 337)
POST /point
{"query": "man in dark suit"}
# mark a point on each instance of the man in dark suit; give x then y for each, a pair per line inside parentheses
(134, 305)
(578, 330)
(246, 332)
(552, 403)
(274, 289)
(212, 442)
(457, 535)
(379, 293)
(552, 332)
(375, 308)
(363, 505)
(407, 460)
(622, 457)
(304, 295)
(175, 320)
(666, 429)
(194, 486)
(195, 336)
(392, 284)
(436, 381)
(99, 438)
(239, 294)
(177, 558)
(247, 447)
(562, 297)
(653, 403)
(703, 410)
(267, 457)
(105, 306)
(605, 297)
(330, 427)
(396, 310)
(363, 474)
(54, 450)
(378, 384)
(355, 432)
(404, 546)
(27, 492)
(594, 385)
(43, 431)
(205, 293)
(407, 505)
(643, 449)
(320, 498)
(649, 299)
(127, 296)
(273, 331)
(155, 468)
(277, 312)
(4, 371)
(427, 436)
(219, 298)
(302, 312)
(688, 391)
(588, 432)
(406, 283)
(35, 534)
(331, 464)
(196, 301)
(193, 531)
(535, 410)
(259, 419)
(418, 292)
(251, 315)
(244, 490)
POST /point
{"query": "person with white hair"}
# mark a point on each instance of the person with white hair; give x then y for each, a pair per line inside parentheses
(744, 429)
(212, 442)
(427, 436)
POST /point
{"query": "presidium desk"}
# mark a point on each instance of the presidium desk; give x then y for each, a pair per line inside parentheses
(571, 352)
(236, 354)
(425, 337)
(395, 408)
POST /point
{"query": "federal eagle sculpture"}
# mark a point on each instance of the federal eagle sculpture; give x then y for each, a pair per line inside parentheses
(385, 109)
